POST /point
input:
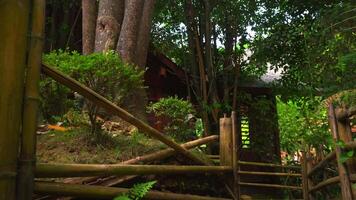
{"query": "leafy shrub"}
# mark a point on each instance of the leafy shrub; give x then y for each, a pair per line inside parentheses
(303, 121)
(137, 192)
(176, 111)
(105, 73)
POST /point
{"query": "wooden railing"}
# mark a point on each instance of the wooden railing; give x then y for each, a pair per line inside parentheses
(230, 156)
(339, 122)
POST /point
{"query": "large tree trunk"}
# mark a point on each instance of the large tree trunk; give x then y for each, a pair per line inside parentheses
(110, 16)
(144, 33)
(126, 47)
(90, 13)
(129, 32)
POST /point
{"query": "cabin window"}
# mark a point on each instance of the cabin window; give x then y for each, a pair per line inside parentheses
(245, 132)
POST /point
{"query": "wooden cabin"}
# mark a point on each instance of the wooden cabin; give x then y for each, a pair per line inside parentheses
(259, 136)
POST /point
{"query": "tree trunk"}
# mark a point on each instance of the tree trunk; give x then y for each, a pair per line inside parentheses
(144, 33)
(110, 16)
(189, 15)
(64, 26)
(126, 47)
(227, 59)
(129, 31)
(90, 13)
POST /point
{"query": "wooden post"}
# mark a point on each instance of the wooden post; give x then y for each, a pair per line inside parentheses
(235, 155)
(305, 176)
(226, 150)
(14, 17)
(28, 141)
(344, 131)
(308, 169)
(345, 182)
(225, 141)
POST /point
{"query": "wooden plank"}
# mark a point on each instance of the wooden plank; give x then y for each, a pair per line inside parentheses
(100, 192)
(85, 170)
(270, 185)
(116, 110)
(269, 173)
(345, 183)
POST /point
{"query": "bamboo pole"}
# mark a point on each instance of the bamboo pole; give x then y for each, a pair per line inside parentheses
(270, 185)
(85, 170)
(343, 173)
(330, 181)
(159, 155)
(116, 110)
(14, 17)
(169, 152)
(213, 156)
(267, 165)
(331, 156)
(100, 192)
(269, 173)
(235, 155)
(28, 141)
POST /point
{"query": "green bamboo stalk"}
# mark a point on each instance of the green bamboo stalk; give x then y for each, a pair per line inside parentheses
(28, 145)
(14, 17)
(44, 170)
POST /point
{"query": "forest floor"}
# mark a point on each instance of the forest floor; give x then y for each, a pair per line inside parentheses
(77, 146)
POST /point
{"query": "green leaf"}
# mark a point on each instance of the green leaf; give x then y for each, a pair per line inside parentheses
(343, 158)
(340, 143)
(350, 153)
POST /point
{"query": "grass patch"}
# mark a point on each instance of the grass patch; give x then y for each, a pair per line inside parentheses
(77, 146)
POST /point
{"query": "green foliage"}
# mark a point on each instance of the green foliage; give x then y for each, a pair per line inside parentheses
(137, 192)
(176, 111)
(105, 73)
(313, 42)
(303, 122)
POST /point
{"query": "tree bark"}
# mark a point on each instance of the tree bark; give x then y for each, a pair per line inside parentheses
(129, 32)
(126, 47)
(110, 16)
(144, 33)
(90, 12)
